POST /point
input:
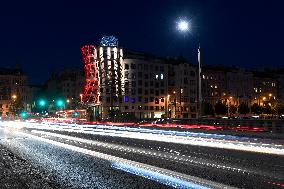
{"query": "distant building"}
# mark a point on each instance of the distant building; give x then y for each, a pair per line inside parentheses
(13, 85)
(66, 85)
(239, 86)
(214, 84)
(280, 87)
(234, 86)
(32, 91)
(182, 90)
(264, 88)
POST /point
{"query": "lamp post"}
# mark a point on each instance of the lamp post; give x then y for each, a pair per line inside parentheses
(81, 98)
(175, 104)
(183, 26)
(167, 105)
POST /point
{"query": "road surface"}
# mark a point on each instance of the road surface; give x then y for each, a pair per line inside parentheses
(123, 157)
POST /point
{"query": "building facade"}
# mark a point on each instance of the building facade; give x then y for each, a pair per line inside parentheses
(13, 90)
(233, 86)
(264, 88)
(214, 84)
(280, 87)
(182, 90)
(145, 87)
(65, 85)
(137, 84)
(239, 86)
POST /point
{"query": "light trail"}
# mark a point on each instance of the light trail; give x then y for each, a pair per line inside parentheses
(176, 179)
(157, 154)
(195, 139)
(144, 130)
(158, 177)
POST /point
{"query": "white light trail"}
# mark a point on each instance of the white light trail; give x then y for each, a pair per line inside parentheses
(197, 140)
(172, 156)
(175, 176)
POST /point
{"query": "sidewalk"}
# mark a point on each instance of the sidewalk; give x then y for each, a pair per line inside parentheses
(16, 172)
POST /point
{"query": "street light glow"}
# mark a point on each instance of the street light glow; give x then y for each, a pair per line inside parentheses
(183, 25)
(60, 103)
(42, 103)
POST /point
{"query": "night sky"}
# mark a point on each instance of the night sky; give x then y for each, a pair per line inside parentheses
(46, 37)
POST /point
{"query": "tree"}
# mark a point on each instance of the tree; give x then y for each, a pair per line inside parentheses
(208, 109)
(220, 108)
(243, 108)
(267, 109)
(279, 108)
(16, 107)
(256, 109)
(233, 109)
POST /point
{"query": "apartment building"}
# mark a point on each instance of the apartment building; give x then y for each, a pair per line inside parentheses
(13, 84)
(182, 90)
(137, 84)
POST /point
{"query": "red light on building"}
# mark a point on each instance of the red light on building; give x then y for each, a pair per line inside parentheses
(90, 91)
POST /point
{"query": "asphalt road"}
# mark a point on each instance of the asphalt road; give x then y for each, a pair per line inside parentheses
(53, 152)
(67, 169)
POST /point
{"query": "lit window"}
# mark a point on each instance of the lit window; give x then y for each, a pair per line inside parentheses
(162, 76)
(157, 76)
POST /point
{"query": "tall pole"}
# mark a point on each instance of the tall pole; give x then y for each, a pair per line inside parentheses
(199, 82)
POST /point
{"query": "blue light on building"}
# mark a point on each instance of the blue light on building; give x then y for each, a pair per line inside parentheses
(126, 99)
(133, 100)
(109, 41)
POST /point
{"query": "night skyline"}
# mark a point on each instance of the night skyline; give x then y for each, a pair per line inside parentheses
(46, 37)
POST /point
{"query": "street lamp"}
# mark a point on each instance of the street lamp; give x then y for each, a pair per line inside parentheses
(183, 26)
(167, 105)
(14, 97)
(81, 97)
(175, 103)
